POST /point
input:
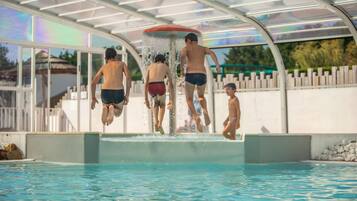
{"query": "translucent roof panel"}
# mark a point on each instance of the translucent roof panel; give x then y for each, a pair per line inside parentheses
(176, 11)
(252, 7)
(15, 25)
(351, 9)
(290, 20)
(286, 20)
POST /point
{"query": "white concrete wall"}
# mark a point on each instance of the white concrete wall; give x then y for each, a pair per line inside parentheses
(59, 84)
(328, 110)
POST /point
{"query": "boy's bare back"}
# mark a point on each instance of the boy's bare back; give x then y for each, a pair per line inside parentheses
(157, 72)
(113, 75)
(195, 58)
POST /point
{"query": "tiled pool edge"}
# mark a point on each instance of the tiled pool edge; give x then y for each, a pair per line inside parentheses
(63, 147)
(85, 147)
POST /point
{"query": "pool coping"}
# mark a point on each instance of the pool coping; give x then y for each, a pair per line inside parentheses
(27, 160)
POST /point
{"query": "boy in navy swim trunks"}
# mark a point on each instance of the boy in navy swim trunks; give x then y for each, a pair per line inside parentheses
(113, 94)
(194, 56)
(155, 86)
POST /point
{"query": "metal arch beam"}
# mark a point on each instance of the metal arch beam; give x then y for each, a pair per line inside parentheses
(340, 12)
(81, 26)
(273, 47)
(131, 11)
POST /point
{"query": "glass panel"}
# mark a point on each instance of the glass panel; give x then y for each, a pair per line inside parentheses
(24, 111)
(265, 5)
(97, 125)
(41, 111)
(351, 9)
(15, 25)
(26, 67)
(8, 65)
(54, 33)
(312, 34)
(7, 111)
(63, 85)
(101, 42)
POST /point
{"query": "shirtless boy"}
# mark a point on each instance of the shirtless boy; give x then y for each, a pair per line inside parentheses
(194, 55)
(233, 120)
(155, 85)
(113, 94)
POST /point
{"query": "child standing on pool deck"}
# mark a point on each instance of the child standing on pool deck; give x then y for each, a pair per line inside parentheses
(155, 85)
(233, 120)
(113, 94)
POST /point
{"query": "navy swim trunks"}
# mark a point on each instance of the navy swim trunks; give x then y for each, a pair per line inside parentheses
(198, 79)
(112, 96)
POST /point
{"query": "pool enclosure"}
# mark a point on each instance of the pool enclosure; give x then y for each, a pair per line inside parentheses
(52, 47)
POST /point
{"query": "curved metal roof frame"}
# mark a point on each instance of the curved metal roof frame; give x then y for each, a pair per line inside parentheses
(340, 12)
(274, 49)
(81, 26)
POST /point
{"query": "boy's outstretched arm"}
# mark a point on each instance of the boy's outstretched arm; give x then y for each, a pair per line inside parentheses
(94, 85)
(147, 89)
(128, 83)
(214, 58)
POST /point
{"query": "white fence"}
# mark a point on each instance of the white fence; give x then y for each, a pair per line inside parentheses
(339, 76)
(7, 118)
(62, 120)
(53, 120)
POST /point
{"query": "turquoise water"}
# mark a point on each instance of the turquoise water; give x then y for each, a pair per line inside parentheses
(288, 181)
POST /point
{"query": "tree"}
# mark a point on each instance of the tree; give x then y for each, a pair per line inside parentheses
(351, 54)
(315, 54)
(5, 63)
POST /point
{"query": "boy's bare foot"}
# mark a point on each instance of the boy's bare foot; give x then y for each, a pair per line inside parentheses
(198, 124)
(110, 116)
(207, 119)
(104, 115)
(161, 130)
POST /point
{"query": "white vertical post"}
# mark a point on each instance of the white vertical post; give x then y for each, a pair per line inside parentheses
(125, 113)
(33, 81)
(19, 92)
(89, 85)
(172, 65)
(48, 89)
(210, 100)
(78, 90)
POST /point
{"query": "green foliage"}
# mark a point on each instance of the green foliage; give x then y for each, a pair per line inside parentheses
(5, 63)
(300, 55)
(257, 55)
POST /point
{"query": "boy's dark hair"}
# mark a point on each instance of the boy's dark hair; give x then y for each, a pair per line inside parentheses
(160, 58)
(191, 37)
(110, 53)
(231, 85)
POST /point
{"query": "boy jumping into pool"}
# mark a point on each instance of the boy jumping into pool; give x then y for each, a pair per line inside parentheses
(155, 85)
(233, 120)
(113, 94)
(194, 55)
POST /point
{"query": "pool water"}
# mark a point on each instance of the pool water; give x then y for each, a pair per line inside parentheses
(284, 181)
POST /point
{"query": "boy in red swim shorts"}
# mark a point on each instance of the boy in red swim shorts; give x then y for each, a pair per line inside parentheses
(155, 86)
